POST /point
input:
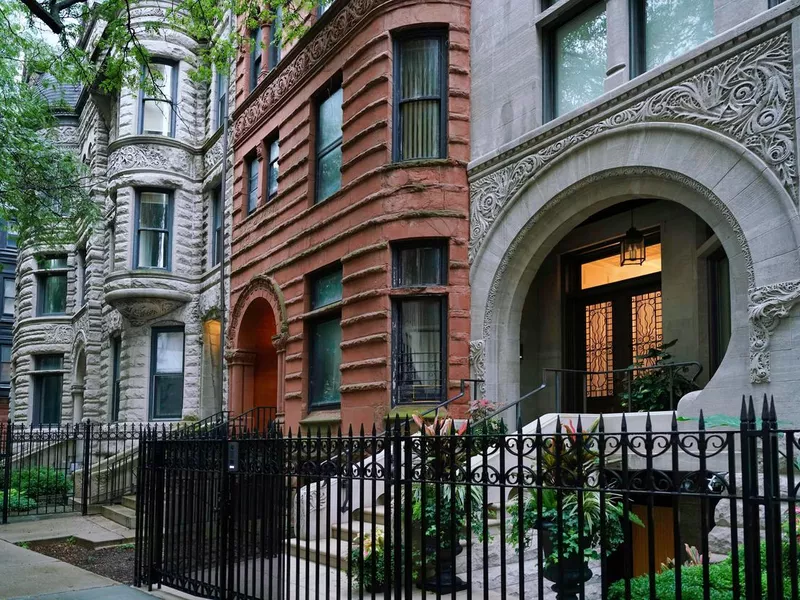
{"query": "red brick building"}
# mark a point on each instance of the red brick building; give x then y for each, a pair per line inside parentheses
(350, 276)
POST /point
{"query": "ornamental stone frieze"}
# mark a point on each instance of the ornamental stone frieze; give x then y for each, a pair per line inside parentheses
(150, 157)
(477, 360)
(748, 97)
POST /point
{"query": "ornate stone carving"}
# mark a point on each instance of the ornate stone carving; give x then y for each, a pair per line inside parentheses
(768, 305)
(140, 310)
(349, 18)
(150, 157)
(477, 359)
(58, 334)
(259, 286)
(112, 322)
(213, 156)
(748, 97)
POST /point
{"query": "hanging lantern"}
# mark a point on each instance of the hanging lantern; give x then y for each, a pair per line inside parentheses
(632, 249)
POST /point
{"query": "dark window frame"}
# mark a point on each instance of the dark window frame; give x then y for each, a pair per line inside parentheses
(274, 46)
(398, 397)
(173, 100)
(252, 193)
(256, 55)
(45, 273)
(14, 297)
(84, 280)
(116, 358)
(40, 374)
(216, 225)
(715, 352)
(6, 382)
(153, 374)
(332, 314)
(330, 89)
(273, 139)
(223, 85)
(138, 229)
(398, 39)
(397, 247)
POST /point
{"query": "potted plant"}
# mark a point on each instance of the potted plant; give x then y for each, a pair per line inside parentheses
(657, 383)
(565, 512)
(489, 430)
(443, 504)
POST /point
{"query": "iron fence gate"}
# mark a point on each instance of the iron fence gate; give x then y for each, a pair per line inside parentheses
(210, 516)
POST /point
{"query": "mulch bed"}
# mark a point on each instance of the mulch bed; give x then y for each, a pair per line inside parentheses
(115, 563)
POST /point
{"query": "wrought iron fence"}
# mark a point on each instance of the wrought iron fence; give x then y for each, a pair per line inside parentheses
(621, 508)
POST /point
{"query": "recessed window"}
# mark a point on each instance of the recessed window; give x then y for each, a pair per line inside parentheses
(329, 144)
(274, 150)
(166, 373)
(577, 59)
(665, 29)
(420, 264)
(217, 216)
(52, 285)
(153, 228)
(5, 363)
(255, 56)
(719, 306)
(326, 288)
(116, 357)
(158, 99)
(418, 349)
(222, 98)
(84, 276)
(326, 359)
(420, 97)
(9, 293)
(48, 382)
(274, 49)
(253, 167)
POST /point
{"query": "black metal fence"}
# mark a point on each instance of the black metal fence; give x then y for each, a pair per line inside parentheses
(75, 467)
(635, 507)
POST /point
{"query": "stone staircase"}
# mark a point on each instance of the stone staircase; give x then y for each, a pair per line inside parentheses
(124, 514)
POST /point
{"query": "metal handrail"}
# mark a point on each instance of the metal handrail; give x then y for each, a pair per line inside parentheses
(627, 370)
(447, 402)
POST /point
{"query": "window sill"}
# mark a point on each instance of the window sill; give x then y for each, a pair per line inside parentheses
(434, 290)
(557, 10)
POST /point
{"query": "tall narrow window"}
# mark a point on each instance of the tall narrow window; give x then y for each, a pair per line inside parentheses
(255, 56)
(222, 98)
(272, 169)
(116, 356)
(84, 276)
(158, 99)
(325, 341)
(217, 215)
(166, 373)
(719, 306)
(274, 50)
(420, 97)
(153, 229)
(329, 145)
(9, 293)
(48, 382)
(253, 167)
(577, 59)
(5, 364)
(663, 30)
(419, 332)
(52, 285)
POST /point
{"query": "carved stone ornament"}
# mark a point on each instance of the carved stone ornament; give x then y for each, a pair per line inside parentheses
(748, 97)
(149, 157)
(477, 359)
(58, 334)
(112, 322)
(768, 305)
(142, 305)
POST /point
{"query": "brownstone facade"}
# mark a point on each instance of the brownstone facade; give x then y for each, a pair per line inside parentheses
(279, 246)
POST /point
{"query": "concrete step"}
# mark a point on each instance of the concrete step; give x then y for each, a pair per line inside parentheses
(129, 502)
(120, 514)
(378, 512)
(332, 552)
(347, 531)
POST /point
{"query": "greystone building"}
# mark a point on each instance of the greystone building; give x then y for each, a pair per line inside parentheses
(668, 126)
(124, 325)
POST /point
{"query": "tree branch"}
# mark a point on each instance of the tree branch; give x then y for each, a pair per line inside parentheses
(51, 20)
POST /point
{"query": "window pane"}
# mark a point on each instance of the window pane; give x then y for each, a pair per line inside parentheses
(54, 291)
(673, 27)
(274, 39)
(49, 362)
(326, 357)
(168, 396)
(252, 185)
(580, 59)
(48, 399)
(53, 262)
(222, 98)
(330, 120)
(115, 381)
(419, 359)
(8, 296)
(152, 250)
(420, 66)
(272, 181)
(420, 129)
(161, 74)
(156, 117)
(420, 266)
(330, 174)
(5, 364)
(169, 352)
(327, 289)
(154, 210)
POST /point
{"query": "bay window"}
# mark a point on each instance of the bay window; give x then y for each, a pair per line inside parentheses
(153, 230)
(166, 373)
(158, 99)
(52, 285)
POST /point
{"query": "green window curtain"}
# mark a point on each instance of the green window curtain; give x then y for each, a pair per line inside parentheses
(326, 358)
(673, 27)
(581, 58)
(421, 63)
(329, 146)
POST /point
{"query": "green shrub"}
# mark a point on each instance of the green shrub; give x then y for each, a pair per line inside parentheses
(18, 502)
(41, 482)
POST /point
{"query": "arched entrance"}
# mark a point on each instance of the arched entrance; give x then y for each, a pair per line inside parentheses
(717, 180)
(258, 340)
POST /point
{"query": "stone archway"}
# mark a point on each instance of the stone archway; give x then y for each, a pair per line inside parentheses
(257, 342)
(726, 185)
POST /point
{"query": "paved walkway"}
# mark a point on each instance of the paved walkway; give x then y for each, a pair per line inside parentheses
(95, 531)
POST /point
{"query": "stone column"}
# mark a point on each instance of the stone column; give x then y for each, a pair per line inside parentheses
(618, 67)
(240, 370)
(77, 402)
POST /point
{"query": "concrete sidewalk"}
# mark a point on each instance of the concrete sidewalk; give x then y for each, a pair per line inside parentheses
(32, 576)
(94, 531)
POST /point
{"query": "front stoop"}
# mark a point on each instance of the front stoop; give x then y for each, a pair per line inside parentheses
(121, 514)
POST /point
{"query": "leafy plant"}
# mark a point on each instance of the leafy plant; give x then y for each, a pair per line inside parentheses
(657, 381)
(487, 429)
(18, 501)
(24, 545)
(41, 482)
(368, 562)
